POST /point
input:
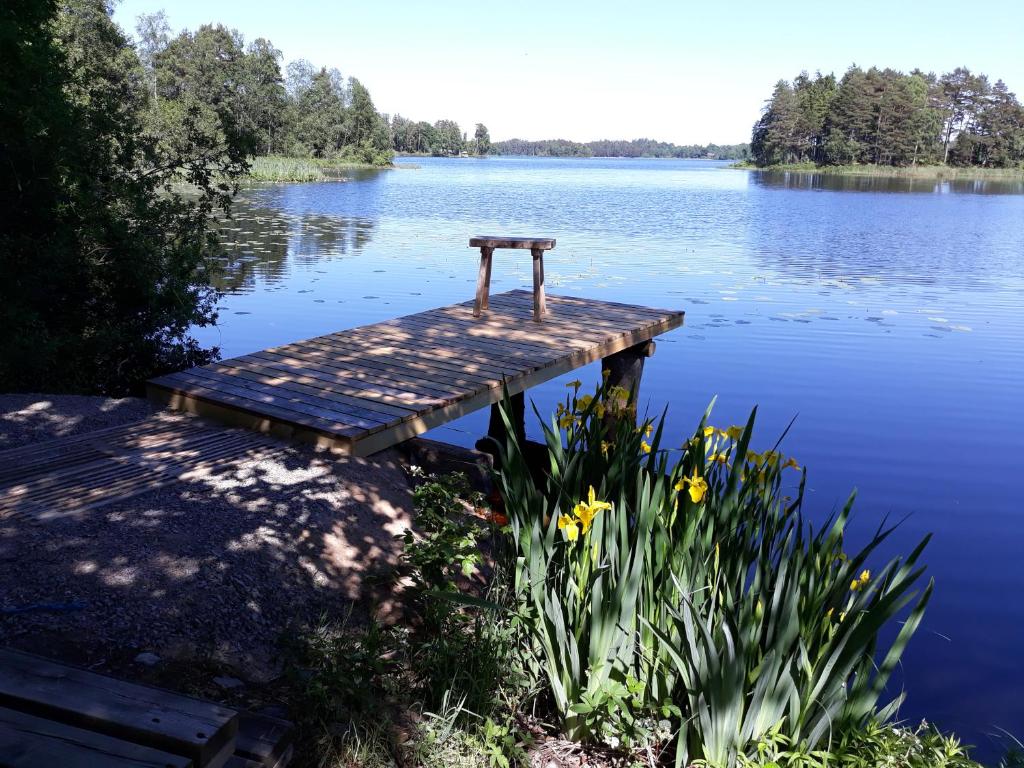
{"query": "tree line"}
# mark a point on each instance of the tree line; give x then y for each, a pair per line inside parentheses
(211, 74)
(886, 117)
(620, 148)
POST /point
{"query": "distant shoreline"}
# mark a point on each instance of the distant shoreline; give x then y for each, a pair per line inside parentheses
(936, 172)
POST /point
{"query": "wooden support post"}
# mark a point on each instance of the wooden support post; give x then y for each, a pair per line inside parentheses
(483, 280)
(540, 307)
(624, 369)
(496, 426)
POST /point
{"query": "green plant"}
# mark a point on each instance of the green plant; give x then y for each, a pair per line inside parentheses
(340, 673)
(699, 577)
(446, 542)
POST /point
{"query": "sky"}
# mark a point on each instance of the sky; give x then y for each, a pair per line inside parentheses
(685, 72)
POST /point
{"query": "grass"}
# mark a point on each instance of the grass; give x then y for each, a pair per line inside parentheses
(938, 172)
(277, 168)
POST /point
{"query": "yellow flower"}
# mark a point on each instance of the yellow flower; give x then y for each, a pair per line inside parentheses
(698, 487)
(753, 456)
(566, 420)
(605, 445)
(575, 384)
(791, 462)
(644, 446)
(709, 431)
(586, 515)
(734, 432)
(648, 429)
(567, 524)
(583, 402)
(678, 487)
(585, 511)
(594, 504)
(860, 582)
(618, 393)
(721, 458)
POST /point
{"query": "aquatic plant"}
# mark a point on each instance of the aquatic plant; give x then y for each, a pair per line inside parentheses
(685, 585)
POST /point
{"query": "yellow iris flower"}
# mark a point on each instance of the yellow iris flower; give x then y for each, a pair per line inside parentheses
(709, 431)
(734, 432)
(791, 462)
(567, 524)
(575, 384)
(698, 487)
(644, 446)
(584, 512)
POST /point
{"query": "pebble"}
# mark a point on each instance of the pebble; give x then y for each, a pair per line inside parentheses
(149, 659)
(228, 682)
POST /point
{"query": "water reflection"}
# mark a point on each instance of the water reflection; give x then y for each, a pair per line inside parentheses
(266, 245)
(812, 180)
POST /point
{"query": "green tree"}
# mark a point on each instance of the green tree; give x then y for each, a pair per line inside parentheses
(104, 267)
(317, 124)
(367, 134)
(962, 96)
(776, 135)
(448, 139)
(813, 101)
(481, 139)
(265, 95)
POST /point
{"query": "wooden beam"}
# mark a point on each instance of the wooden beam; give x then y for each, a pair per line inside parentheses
(624, 369)
(201, 731)
(27, 741)
(540, 306)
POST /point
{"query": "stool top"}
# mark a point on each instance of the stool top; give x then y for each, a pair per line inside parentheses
(532, 243)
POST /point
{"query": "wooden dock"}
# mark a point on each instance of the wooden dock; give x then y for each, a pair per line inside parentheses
(362, 390)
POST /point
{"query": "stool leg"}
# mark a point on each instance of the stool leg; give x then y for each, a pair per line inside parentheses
(540, 307)
(483, 281)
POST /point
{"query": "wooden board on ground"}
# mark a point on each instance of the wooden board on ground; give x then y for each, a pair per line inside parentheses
(27, 741)
(429, 368)
(68, 476)
(201, 731)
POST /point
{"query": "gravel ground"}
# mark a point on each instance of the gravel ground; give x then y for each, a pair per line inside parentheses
(27, 418)
(213, 570)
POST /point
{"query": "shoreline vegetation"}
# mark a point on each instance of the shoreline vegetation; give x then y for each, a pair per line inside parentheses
(282, 168)
(899, 121)
(936, 172)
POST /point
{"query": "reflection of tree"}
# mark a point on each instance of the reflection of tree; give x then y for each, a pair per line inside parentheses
(837, 182)
(848, 240)
(264, 244)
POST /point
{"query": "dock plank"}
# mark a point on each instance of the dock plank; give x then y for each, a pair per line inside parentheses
(27, 741)
(364, 389)
(204, 732)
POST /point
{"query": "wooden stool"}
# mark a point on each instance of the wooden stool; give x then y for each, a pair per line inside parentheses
(537, 246)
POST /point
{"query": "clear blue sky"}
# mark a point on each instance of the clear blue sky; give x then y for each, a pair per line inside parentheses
(677, 71)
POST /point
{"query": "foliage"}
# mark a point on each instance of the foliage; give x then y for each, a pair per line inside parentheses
(609, 148)
(873, 746)
(694, 591)
(104, 265)
(456, 671)
(445, 546)
(239, 94)
(886, 117)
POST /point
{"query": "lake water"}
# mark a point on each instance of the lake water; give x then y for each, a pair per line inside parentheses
(887, 316)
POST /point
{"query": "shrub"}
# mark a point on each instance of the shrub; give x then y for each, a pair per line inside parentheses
(685, 586)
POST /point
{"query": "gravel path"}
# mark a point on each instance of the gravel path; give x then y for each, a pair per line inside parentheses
(213, 569)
